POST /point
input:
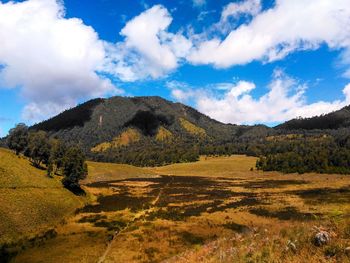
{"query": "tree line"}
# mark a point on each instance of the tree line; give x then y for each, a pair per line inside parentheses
(51, 154)
(321, 154)
(149, 153)
(302, 151)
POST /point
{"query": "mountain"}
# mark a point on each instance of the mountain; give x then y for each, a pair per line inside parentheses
(151, 131)
(334, 120)
(101, 124)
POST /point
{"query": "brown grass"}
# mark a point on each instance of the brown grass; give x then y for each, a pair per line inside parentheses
(214, 210)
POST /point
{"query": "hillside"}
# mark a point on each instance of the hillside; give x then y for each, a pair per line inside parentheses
(151, 131)
(31, 203)
(334, 120)
(103, 120)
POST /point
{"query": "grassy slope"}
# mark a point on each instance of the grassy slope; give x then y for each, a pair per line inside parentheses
(210, 166)
(30, 201)
(110, 171)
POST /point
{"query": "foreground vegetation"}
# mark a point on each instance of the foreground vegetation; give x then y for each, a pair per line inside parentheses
(214, 210)
(51, 154)
(32, 204)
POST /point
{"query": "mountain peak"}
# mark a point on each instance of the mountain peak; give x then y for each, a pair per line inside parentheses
(101, 121)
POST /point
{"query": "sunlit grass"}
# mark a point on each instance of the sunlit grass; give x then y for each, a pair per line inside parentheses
(214, 210)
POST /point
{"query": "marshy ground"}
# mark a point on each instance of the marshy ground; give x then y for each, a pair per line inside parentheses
(215, 210)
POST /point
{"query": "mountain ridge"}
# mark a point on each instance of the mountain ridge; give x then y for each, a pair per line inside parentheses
(332, 120)
(100, 120)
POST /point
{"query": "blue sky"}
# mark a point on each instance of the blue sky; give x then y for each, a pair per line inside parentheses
(244, 62)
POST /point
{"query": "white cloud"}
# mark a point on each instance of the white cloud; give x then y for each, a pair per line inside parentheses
(274, 33)
(248, 7)
(58, 62)
(242, 87)
(284, 100)
(181, 91)
(149, 50)
(52, 59)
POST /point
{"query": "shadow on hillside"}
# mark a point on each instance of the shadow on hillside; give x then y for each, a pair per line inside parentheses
(77, 190)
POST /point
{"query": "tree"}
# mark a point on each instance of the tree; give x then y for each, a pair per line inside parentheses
(38, 148)
(74, 169)
(18, 138)
(58, 150)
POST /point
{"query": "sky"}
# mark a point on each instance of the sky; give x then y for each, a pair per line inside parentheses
(242, 62)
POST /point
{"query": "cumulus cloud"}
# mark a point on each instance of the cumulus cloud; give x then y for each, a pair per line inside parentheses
(182, 92)
(54, 60)
(272, 34)
(284, 100)
(148, 50)
(60, 61)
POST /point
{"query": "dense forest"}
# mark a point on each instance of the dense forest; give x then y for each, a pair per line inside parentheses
(301, 154)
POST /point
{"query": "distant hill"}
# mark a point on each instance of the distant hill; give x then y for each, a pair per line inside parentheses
(146, 131)
(120, 120)
(334, 120)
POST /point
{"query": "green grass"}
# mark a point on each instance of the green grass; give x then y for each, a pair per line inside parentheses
(31, 203)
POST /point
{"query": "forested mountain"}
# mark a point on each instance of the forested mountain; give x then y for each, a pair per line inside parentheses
(101, 120)
(334, 120)
(153, 131)
(139, 129)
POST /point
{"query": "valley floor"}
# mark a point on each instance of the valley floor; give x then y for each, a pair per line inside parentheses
(214, 210)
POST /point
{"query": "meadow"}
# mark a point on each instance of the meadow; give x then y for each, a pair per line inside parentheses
(216, 210)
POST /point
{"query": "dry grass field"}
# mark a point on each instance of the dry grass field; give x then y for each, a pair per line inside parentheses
(214, 210)
(31, 203)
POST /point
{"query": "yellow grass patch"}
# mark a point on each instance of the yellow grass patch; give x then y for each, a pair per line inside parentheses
(111, 171)
(127, 137)
(191, 128)
(163, 135)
